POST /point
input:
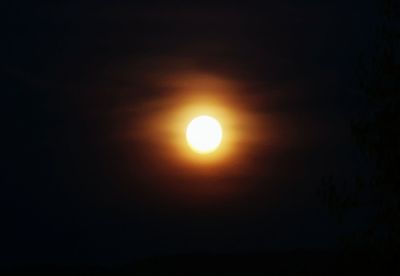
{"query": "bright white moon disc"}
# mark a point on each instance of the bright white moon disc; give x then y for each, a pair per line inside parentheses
(204, 134)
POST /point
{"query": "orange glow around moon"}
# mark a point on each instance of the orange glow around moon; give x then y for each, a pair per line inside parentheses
(201, 124)
(199, 136)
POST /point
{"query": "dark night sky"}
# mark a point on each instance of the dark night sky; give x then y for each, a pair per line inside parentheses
(70, 191)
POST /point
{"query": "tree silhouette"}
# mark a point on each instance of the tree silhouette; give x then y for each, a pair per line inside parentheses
(377, 132)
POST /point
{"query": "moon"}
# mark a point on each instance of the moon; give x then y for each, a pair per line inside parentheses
(204, 134)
